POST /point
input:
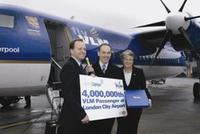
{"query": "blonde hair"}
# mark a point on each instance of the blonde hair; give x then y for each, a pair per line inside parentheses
(127, 52)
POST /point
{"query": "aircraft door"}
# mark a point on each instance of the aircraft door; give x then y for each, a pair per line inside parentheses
(62, 48)
(59, 38)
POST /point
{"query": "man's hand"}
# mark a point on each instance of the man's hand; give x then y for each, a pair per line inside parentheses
(89, 69)
(85, 120)
(125, 113)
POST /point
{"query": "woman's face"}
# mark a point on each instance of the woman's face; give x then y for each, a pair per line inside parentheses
(128, 61)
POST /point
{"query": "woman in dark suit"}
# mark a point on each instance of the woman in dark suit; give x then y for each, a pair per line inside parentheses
(133, 78)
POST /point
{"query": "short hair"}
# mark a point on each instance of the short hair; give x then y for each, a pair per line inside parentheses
(127, 52)
(72, 43)
(104, 44)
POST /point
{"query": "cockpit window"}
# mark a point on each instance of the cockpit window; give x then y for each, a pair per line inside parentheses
(6, 21)
(32, 22)
(33, 27)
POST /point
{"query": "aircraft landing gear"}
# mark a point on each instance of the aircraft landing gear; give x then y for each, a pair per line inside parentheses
(196, 90)
(196, 87)
(6, 101)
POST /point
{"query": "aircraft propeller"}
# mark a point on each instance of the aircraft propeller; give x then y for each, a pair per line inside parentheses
(169, 32)
(176, 23)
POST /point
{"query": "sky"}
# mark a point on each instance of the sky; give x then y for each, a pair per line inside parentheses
(117, 15)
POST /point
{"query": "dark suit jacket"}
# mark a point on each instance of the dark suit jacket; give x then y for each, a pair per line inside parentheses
(129, 124)
(111, 72)
(104, 126)
(137, 81)
(72, 112)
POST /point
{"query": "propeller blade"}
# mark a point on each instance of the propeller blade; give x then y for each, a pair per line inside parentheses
(195, 52)
(190, 18)
(185, 35)
(181, 9)
(165, 39)
(165, 6)
(160, 23)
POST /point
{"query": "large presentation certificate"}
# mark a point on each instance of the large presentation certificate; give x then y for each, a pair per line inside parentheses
(102, 98)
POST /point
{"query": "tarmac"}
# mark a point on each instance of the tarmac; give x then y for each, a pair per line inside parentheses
(173, 112)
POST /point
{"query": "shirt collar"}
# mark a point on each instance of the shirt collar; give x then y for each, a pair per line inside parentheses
(77, 61)
(101, 65)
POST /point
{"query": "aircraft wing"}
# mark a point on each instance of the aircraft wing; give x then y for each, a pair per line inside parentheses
(149, 37)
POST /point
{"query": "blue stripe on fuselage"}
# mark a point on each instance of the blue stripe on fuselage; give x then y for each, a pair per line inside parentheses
(161, 62)
(23, 42)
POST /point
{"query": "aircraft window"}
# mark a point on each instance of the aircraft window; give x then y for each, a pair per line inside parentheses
(6, 21)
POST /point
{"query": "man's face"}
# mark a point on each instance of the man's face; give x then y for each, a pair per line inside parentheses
(79, 51)
(104, 54)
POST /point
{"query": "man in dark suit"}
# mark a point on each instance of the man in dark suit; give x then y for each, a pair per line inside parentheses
(73, 119)
(104, 68)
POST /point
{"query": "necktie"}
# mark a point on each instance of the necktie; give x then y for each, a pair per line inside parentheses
(104, 68)
(81, 68)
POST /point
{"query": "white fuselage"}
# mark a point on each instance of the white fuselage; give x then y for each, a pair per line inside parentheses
(19, 79)
(163, 71)
(158, 72)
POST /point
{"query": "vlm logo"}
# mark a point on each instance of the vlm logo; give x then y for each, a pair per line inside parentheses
(118, 84)
(90, 37)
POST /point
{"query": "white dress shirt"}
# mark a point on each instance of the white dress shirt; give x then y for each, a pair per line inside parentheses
(127, 77)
